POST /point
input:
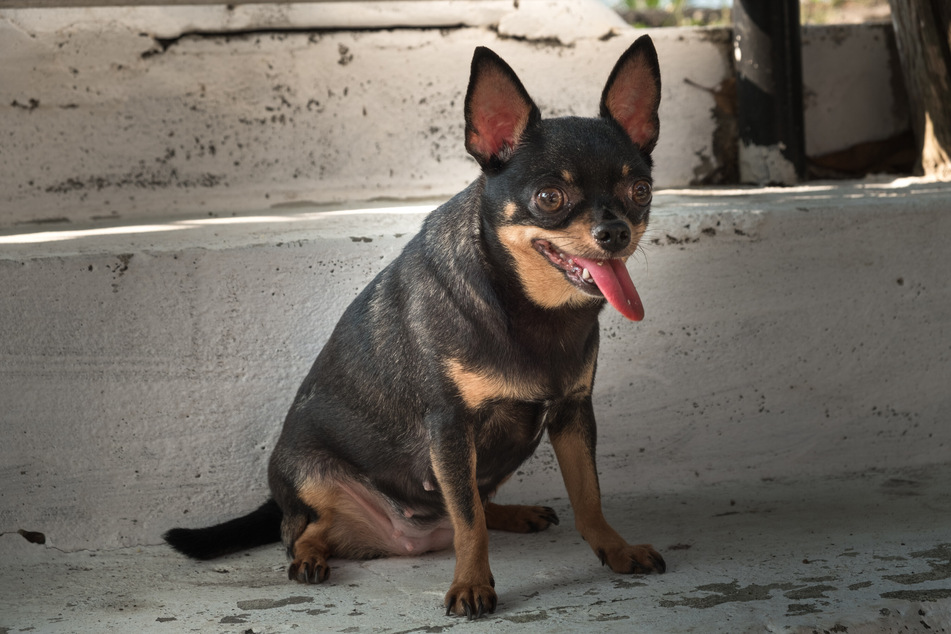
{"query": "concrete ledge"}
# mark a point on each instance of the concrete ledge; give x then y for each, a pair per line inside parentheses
(145, 369)
(137, 113)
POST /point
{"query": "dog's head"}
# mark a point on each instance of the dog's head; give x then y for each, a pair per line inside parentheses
(568, 198)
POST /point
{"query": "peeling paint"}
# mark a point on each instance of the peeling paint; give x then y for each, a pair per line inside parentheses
(625, 584)
(234, 619)
(800, 609)
(728, 593)
(765, 165)
(810, 592)
(527, 617)
(722, 166)
(937, 594)
(938, 559)
(269, 604)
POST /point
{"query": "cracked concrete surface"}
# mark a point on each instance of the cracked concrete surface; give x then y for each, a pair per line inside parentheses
(861, 553)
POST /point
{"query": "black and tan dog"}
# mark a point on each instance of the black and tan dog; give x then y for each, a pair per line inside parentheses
(443, 374)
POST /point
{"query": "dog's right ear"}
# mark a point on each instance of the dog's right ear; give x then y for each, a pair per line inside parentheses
(498, 110)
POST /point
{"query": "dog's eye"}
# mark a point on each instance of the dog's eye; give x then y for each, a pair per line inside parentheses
(641, 193)
(550, 199)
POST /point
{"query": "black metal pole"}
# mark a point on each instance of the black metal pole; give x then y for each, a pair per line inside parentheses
(768, 51)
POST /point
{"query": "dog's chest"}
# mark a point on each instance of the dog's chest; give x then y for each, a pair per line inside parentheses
(525, 366)
(507, 435)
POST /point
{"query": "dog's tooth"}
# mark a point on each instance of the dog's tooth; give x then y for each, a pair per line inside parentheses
(586, 275)
(428, 486)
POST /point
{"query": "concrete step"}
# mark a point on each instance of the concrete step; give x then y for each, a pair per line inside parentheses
(145, 369)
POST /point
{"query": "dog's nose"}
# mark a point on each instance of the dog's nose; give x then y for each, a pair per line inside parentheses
(612, 235)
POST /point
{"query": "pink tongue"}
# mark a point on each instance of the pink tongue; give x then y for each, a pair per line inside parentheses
(615, 284)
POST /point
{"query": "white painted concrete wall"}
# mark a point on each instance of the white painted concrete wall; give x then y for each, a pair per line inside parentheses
(152, 112)
(111, 120)
(853, 87)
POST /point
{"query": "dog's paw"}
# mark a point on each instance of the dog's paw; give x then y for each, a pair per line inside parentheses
(308, 570)
(519, 519)
(628, 559)
(472, 601)
(536, 518)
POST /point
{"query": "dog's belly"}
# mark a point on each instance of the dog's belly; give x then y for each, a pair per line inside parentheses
(394, 531)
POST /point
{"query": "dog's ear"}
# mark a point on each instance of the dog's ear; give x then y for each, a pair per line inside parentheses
(498, 110)
(632, 95)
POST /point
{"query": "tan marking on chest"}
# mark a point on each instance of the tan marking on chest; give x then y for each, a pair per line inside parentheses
(478, 387)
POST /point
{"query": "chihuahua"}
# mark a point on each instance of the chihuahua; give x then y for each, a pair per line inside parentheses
(443, 374)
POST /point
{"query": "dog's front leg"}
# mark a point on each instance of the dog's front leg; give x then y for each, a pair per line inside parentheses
(573, 436)
(453, 457)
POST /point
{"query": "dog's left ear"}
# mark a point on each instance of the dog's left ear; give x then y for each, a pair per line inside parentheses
(632, 95)
(498, 110)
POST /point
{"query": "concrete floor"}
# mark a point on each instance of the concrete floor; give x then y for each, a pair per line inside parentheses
(859, 554)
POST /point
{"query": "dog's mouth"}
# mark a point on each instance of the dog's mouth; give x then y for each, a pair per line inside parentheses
(607, 278)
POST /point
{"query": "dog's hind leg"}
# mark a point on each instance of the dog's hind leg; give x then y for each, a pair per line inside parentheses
(515, 518)
(331, 518)
(310, 550)
(304, 534)
(304, 528)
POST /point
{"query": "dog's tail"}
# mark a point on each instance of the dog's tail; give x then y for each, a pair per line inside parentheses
(257, 528)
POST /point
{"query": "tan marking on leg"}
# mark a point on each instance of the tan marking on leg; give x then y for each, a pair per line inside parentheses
(320, 495)
(347, 528)
(471, 592)
(311, 552)
(581, 481)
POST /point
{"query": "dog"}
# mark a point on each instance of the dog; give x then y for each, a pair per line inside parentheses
(442, 376)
